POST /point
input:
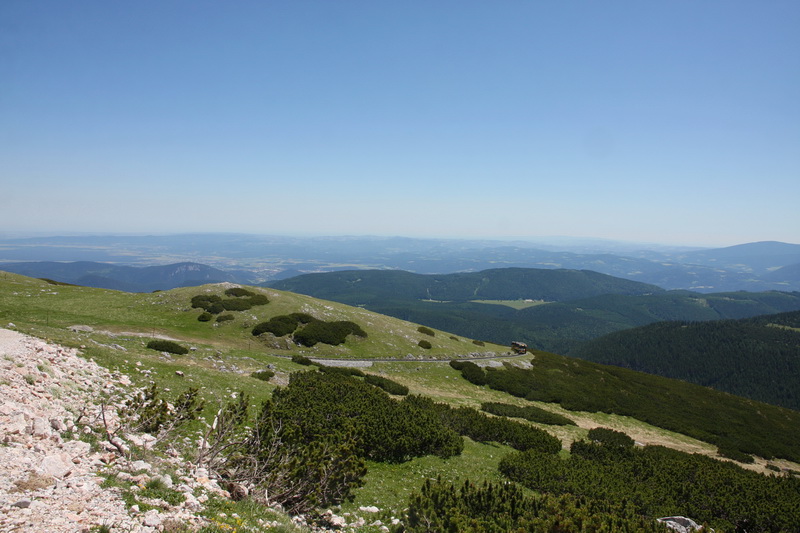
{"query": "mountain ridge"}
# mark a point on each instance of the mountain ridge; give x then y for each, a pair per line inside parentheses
(268, 257)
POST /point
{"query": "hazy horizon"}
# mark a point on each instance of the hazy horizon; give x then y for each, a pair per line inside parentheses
(545, 240)
(675, 124)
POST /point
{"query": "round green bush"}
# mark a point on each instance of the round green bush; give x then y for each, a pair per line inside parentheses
(161, 345)
(263, 375)
(225, 318)
(426, 331)
(215, 308)
(204, 301)
(425, 344)
(332, 333)
(236, 304)
(302, 360)
(277, 325)
(239, 292)
(610, 437)
(205, 316)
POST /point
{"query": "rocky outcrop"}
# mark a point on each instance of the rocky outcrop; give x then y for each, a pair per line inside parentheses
(50, 479)
(681, 524)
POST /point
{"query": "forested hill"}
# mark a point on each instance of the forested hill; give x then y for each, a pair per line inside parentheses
(126, 278)
(758, 358)
(583, 305)
(363, 287)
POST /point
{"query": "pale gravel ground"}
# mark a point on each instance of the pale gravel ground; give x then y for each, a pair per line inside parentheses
(48, 484)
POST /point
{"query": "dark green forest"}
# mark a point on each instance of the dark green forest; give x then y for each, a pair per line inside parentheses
(757, 358)
(364, 287)
(583, 305)
(730, 422)
(309, 445)
(657, 481)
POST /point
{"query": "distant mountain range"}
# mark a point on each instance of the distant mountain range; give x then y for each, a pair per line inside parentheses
(125, 278)
(754, 267)
(581, 304)
(364, 287)
(501, 305)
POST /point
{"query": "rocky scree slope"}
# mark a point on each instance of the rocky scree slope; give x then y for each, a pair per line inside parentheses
(50, 479)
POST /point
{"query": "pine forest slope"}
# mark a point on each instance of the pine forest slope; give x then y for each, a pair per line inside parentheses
(365, 287)
(580, 305)
(757, 358)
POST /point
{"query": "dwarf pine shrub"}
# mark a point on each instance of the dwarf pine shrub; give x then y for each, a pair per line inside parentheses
(162, 345)
(263, 375)
(426, 331)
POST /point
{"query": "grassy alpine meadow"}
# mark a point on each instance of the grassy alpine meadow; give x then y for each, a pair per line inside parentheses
(514, 304)
(222, 356)
(32, 303)
(388, 486)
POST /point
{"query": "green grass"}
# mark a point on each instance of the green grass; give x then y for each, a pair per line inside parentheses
(44, 309)
(226, 355)
(514, 304)
(388, 486)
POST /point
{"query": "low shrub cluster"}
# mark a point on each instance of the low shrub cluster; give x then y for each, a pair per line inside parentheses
(610, 438)
(529, 412)
(307, 447)
(283, 324)
(386, 430)
(425, 345)
(302, 360)
(309, 331)
(470, 371)
(263, 375)
(731, 423)
(736, 455)
(658, 481)
(225, 318)
(479, 427)
(426, 331)
(392, 387)
(343, 370)
(241, 300)
(162, 345)
(239, 292)
(502, 507)
(333, 333)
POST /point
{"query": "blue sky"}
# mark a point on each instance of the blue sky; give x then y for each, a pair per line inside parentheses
(668, 122)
